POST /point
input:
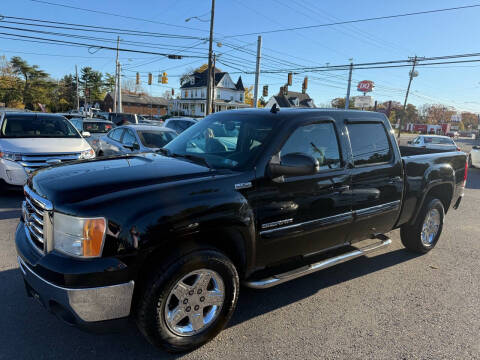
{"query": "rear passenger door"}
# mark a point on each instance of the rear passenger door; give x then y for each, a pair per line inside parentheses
(113, 142)
(377, 178)
(129, 142)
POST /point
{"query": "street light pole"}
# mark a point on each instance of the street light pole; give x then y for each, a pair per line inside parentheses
(347, 100)
(257, 71)
(208, 107)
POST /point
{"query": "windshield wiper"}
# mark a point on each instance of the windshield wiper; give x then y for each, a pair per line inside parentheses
(195, 158)
(164, 151)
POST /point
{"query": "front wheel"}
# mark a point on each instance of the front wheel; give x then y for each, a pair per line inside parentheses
(189, 302)
(422, 236)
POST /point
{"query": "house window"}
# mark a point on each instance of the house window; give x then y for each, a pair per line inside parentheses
(218, 95)
(241, 97)
(192, 80)
(186, 93)
(202, 108)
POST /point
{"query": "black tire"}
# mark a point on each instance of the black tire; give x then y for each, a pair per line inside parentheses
(150, 307)
(411, 234)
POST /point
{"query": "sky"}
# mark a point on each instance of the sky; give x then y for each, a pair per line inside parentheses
(438, 34)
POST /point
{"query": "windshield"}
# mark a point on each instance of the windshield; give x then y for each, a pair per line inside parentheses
(224, 140)
(155, 139)
(97, 127)
(37, 126)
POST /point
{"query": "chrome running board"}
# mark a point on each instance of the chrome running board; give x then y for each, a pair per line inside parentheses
(309, 269)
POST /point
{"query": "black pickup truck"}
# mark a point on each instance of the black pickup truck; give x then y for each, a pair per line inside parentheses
(257, 197)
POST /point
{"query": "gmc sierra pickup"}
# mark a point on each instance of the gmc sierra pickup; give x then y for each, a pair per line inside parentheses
(253, 196)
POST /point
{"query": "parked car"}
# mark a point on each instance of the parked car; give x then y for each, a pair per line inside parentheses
(124, 118)
(453, 134)
(180, 124)
(93, 128)
(29, 141)
(436, 142)
(171, 234)
(474, 157)
(129, 139)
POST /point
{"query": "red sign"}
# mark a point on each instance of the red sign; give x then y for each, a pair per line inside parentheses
(365, 86)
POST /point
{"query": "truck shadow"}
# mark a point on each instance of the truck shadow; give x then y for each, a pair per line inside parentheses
(28, 331)
(10, 204)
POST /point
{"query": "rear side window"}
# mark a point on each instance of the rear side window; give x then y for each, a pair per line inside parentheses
(116, 134)
(370, 144)
(316, 140)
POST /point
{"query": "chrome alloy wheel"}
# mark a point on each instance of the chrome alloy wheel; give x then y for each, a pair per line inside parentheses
(194, 302)
(430, 227)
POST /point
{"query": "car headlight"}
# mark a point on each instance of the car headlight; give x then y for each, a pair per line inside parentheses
(87, 154)
(10, 156)
(81, 237)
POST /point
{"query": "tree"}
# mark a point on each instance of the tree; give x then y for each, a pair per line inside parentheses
(108, 82)
(470, 120)
(249, 95)
(92, 84)
(32, 77)
(10, 85)
(339, 103)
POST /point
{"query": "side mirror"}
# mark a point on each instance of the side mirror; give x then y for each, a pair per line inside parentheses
(295, 164)
(135, 146)
(86, 134)
(409, 141)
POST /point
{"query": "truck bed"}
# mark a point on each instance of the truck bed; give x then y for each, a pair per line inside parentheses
(412, 150)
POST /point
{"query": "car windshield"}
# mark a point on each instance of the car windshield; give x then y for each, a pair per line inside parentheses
(224, 140)
(97, 127)
(155, 138)
(37, 126)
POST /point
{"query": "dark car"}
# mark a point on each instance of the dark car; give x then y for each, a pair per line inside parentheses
(95, 128)
(254, 196)
(180, 124)
(129, 139)
(124, 118)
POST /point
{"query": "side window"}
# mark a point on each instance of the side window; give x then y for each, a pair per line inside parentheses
(317, 140)
(129, 138)
(116, 134)
(370, 144)
(173, 125)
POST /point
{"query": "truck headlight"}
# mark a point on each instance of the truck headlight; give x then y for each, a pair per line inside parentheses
(82, 237)
(87, 154)
(10, 156)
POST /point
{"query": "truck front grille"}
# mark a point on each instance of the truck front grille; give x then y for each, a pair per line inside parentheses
(36, 216)
(33, 162)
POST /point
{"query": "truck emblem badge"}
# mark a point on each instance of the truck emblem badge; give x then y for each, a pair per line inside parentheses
(244, 185)
(53, 161)
(276, 223)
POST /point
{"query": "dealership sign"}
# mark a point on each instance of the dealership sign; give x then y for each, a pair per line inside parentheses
(363, 102)
(365, 86)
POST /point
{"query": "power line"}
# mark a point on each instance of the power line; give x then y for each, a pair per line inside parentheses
(97, 47)
(117, 15)
(354, 21)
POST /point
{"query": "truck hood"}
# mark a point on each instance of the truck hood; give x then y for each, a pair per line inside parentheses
(43, 145)
(83, 180)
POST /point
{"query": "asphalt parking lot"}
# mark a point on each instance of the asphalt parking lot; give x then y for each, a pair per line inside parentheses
(391, 305)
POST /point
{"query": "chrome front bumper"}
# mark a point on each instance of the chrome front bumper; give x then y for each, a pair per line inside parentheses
(80, 306)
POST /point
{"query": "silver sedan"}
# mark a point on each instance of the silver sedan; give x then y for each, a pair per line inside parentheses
(128, 139)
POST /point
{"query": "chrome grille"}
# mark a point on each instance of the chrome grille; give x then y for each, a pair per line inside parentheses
(36, 217)
(32, 162)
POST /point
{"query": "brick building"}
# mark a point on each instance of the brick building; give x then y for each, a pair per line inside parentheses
(138, 104)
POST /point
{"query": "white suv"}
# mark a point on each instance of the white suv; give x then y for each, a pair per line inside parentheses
(29, 141)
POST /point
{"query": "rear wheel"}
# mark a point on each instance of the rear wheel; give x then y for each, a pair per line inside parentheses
(187, 303)
(424, 234)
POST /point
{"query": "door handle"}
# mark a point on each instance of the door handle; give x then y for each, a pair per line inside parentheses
(395, 180)
(342, 188)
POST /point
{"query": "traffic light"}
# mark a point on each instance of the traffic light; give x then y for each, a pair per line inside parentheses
(150, 77)
(290, 76)
(173, 92)
(265, 90)
(305, 85)
(138, 79)
(164, 78)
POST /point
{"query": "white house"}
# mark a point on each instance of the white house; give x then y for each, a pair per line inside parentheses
(286, 98)
(193, 97)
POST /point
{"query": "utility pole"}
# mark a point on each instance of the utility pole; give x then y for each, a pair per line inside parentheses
(412, 75)
(209, 79)
(115, 97)
(257, 71)
(347, 100)
(213, 83)
(119, 89)
(76, 83)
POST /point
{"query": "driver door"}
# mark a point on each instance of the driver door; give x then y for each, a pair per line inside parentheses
(303, 215)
